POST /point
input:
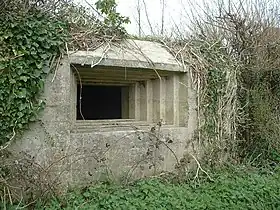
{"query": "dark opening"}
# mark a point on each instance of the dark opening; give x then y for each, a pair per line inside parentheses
(99, 102)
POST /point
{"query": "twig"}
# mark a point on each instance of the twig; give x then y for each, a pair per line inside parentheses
(173, 153)
(10, 140)
(81, 90)
(147, 16)
(131, 170)
(200, 168)
(97, 12)
(23, 207)
(56, 68)
(148, 59)
(67, 50)
(102, 56)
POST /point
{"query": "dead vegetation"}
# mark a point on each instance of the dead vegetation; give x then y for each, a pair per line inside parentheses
(88, 28)
(233, 55)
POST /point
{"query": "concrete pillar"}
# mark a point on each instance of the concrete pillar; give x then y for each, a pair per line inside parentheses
(143, 101)
(134, 101)
(57, 119)
(146, 101)
(159, 96)
(125, 102)
(149, 91)
(73, 94)
(162, 98)
(58, 95)
(172, 100)
(192, 119)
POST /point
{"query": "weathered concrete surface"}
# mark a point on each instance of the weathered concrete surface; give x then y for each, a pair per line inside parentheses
(126, 155)
(74, 153)
(129, 53)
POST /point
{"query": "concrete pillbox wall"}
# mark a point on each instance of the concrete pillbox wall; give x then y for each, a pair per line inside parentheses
(80, 152)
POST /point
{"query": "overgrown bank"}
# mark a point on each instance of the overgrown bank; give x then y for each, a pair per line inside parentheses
(231, 189)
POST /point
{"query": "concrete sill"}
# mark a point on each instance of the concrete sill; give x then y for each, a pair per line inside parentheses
(89, 126)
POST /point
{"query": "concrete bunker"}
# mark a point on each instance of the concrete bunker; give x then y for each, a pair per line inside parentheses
(126, 91)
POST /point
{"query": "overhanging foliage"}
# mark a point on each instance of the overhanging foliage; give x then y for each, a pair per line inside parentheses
(29, 44)
(32, 35)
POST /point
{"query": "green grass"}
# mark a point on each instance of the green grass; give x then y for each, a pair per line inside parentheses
(231, 189)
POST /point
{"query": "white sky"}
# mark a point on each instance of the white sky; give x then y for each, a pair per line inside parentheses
(173, 13)
(176, 12)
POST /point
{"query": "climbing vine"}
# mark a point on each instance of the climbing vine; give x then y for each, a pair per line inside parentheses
(214, 77)
(234, 63)
(32, 35)
(29, 44)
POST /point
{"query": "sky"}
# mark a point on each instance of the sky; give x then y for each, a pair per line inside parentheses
(177, 13)
(174, 13)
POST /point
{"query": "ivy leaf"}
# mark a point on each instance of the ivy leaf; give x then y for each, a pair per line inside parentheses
(39, 65)
(46, 45)
(22, 106)
(33, 52)
(23, 78)
(13, 81)
(44, 56)
(37, 74)
(20, 114)
(22, 93)
(3, 65)
(46, 69)
(32, 119)
(41, 38)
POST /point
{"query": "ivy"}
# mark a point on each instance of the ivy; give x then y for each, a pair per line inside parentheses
(32, 35)
(28, 44)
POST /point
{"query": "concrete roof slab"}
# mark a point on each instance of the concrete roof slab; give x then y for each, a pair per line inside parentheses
(129, 53)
